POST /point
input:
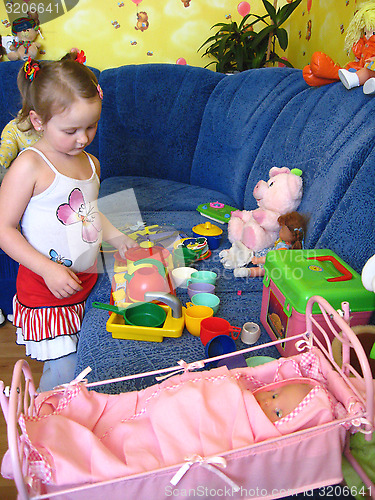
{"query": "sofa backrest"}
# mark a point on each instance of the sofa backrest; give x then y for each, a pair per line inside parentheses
(10, 99)
(237, 120)
(270, 117)
(151, 119)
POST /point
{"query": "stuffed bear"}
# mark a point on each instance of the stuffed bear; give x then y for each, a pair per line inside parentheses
(255, 230)
(26, 30)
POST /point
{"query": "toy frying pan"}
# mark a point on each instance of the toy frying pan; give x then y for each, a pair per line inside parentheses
(140, 314)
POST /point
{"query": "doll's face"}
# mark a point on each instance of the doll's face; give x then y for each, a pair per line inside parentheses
(285, 234)
(28, 35)
(369, 33)
(280, 401)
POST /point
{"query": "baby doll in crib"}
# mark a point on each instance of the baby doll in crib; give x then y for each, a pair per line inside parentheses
(279, 400)
(291, 237)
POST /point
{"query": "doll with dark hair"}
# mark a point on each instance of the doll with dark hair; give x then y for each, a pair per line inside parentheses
(291, 237)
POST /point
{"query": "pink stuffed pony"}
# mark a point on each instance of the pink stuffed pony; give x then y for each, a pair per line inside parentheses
(255, 230)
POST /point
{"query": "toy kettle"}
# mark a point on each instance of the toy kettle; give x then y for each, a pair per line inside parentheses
(211, 232)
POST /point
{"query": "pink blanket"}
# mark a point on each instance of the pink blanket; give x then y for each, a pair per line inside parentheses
(86, 436)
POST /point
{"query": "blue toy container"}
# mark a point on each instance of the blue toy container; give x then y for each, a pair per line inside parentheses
(8, 275)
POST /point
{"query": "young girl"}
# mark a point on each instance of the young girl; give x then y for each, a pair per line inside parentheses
(51, 190)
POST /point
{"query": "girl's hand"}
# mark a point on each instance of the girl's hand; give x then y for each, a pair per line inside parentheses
(61, 281)
(123, 243)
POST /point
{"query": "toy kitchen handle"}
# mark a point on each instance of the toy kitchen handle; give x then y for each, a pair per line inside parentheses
(346, 274)
(235, 331)
(108, 307)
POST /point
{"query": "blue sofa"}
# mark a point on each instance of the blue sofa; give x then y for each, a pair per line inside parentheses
(179, 136)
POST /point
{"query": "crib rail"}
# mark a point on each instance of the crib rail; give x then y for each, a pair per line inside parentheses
(14, 401)
(339, 327)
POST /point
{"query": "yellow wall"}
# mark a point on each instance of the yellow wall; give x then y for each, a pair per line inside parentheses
(106, 29)
(328, 20)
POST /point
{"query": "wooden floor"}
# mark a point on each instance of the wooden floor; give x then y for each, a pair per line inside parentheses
(10, 352)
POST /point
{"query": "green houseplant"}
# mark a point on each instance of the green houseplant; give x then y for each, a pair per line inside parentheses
(252, 43)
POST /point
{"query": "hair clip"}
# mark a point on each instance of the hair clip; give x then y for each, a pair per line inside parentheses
(80, 57)
(30, 69)
(100, 91)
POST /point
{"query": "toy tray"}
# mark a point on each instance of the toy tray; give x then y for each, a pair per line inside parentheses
(216, 211)
(173, 327)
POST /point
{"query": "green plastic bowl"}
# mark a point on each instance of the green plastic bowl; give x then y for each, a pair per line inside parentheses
(145, 314)
(258, 360)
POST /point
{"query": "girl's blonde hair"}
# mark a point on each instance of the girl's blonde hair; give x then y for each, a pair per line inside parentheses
(55, 86)
(363, 19)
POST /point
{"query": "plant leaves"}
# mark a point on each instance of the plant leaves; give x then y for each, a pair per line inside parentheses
(282, 36)
(285, 12)
(245, 46)
(270, 10)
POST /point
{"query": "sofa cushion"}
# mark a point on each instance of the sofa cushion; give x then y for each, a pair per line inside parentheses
(10, 98)
(325, 132)
(159, 194)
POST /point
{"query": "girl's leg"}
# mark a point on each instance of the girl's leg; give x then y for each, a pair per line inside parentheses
(58, 371)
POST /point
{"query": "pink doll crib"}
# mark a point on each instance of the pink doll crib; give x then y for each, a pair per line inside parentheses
(279, 465)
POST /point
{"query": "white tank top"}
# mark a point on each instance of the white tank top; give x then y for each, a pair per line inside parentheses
(63, 222)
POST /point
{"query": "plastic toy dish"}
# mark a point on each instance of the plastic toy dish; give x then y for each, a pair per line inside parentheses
(180, 275)
(140, 314)
(194, 288)
(258, 360)
(145, 314)
(211, 232)
(143, 280)
(189, 250)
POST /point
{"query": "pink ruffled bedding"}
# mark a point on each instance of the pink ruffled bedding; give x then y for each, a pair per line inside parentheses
(82, 436)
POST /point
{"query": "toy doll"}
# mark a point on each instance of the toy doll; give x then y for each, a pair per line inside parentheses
(291, 236)
(16, 136)
(26, 30)
(360, 37)
(156, 427)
